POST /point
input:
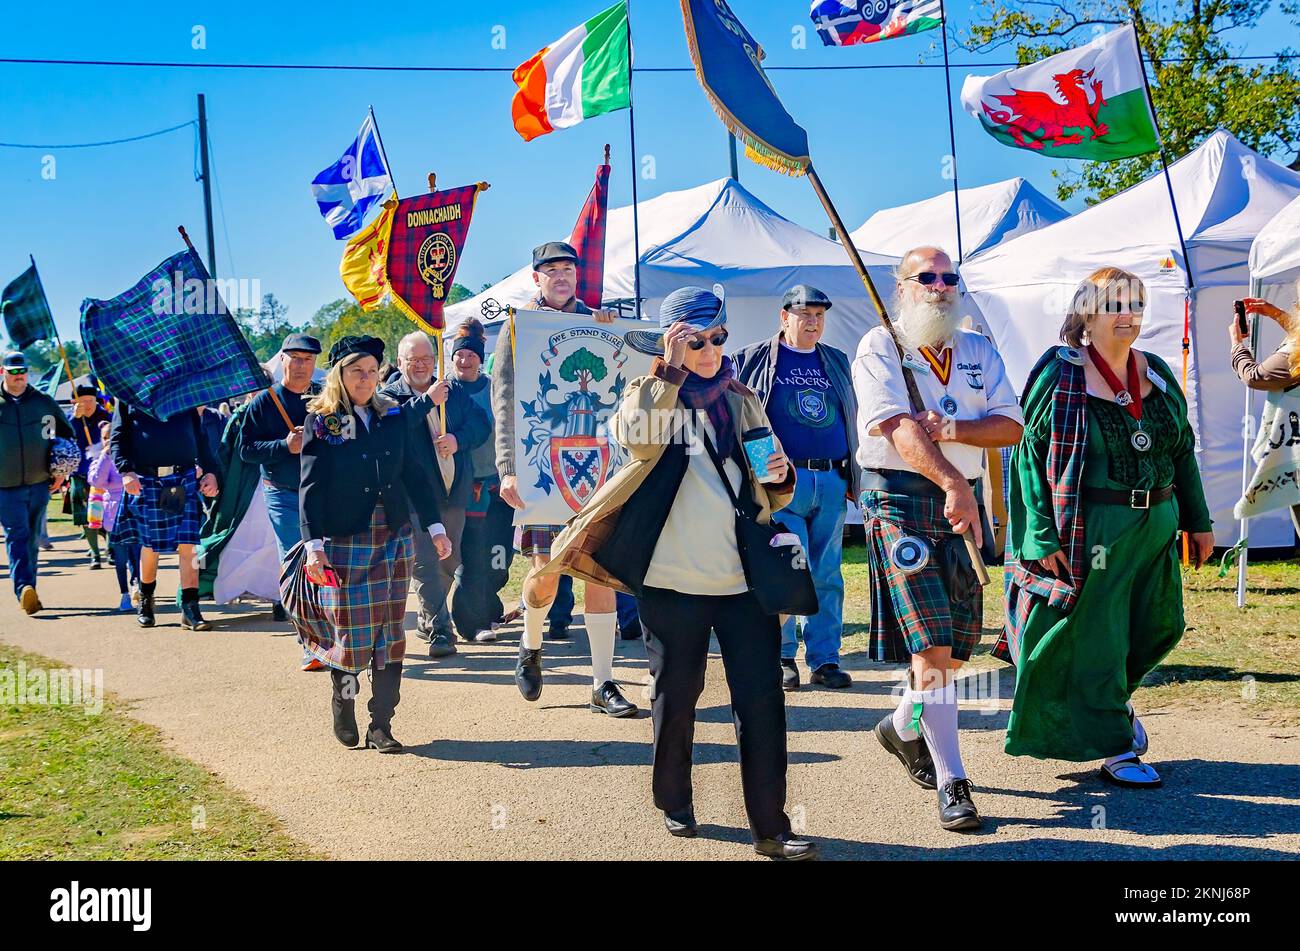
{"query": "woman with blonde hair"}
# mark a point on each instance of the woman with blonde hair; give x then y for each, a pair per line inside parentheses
(345, 584)
(1101, 484)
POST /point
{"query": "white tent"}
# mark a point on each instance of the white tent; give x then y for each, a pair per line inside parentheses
(1275, 253)
(721, 233)
(1226, 193)
(990, 214)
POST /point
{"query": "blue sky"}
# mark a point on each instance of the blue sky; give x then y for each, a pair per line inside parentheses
(109, 214)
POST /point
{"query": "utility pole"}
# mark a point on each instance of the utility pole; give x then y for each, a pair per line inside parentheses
(207, 185)
(735, 166)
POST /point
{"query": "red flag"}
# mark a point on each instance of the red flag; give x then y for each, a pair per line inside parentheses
(429, 232)
(588, 239)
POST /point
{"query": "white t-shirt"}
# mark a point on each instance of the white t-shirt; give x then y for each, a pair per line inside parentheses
(977, 385)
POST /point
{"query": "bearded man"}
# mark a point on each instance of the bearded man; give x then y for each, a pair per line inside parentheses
(920, 482)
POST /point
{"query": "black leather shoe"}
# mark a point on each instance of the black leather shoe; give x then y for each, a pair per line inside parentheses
(830, 675)
(606, 699)
(144, 617)
(913, 754)
(789, 675)
(557, 633)
(528, 673)
(957, 811)
(787, 848)
(278, 612)
(441, 645)
(192, 619)
(380, 739)
(681, 823)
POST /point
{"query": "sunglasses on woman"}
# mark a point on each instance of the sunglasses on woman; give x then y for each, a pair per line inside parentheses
(718, 339)
(926, 278)
(1119, 307)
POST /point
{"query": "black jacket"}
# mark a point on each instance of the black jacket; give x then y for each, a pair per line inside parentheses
(467, 421)
(140, 443)
(342, 480)
(262, 438)
(25, 437)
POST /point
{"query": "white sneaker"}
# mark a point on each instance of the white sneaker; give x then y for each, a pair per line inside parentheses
(485, 636)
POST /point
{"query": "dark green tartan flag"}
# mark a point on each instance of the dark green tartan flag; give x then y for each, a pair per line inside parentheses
(26, 312)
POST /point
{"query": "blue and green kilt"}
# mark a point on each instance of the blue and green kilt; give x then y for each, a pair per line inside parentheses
(126, 527)
(912, 613)
(364, 619)
(162, 531)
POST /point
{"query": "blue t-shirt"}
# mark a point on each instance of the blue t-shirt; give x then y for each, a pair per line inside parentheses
(805, 412)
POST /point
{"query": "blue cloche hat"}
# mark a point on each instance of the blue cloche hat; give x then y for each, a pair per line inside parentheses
(700, 308)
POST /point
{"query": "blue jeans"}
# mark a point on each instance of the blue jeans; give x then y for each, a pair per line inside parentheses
(21, 509)
(816, 515)
(282, 507)
(561, 613)
(628, 614)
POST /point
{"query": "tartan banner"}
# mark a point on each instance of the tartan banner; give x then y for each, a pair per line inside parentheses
(424, 249)
(169, 344)
(588, 239)
(26, 312)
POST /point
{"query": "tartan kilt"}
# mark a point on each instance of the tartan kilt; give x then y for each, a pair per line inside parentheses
(364, 619)
(78, 498)
(126, 528)
(162, 531)
(912, 613)
(538, 539)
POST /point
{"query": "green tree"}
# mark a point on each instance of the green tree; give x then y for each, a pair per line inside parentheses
(265, 327)
(45, 353)
(581, 367)
(1195, 87)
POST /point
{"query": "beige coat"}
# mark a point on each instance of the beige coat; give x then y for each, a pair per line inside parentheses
(644, 424)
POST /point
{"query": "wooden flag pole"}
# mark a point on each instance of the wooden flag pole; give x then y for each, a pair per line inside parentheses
(913, 394)
(442, 357)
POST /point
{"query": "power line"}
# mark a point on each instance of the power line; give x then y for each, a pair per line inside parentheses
(362, 67)
(95, 145)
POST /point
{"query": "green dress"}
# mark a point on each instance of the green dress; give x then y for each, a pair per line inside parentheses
(1077, 670)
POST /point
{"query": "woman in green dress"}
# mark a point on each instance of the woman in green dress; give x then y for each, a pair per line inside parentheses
(1101, 484)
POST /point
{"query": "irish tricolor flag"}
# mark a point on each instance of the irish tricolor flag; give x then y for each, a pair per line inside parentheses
(582, 74)
(1086, 103)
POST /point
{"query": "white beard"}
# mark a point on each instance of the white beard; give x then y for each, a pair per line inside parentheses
(927, 323)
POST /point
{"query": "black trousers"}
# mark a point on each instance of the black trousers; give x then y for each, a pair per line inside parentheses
(677, 630)
(487, 548)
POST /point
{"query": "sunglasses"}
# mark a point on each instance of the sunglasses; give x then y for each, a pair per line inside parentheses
(926, 278)
(718, 339)
(1119, 307)
(15, 371)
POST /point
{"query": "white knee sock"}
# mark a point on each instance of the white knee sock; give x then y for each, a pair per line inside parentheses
(601, 631)
(903, 715)
(939, 724)
(534, 620)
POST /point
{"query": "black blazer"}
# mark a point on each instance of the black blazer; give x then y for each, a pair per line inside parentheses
(467, 422)
(343, 479)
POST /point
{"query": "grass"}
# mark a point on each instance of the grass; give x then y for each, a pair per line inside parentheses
(1245, 659)
(79, 786)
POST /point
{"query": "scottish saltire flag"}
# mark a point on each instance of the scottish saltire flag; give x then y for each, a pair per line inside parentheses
(169, 344)
(360, 178)
(26, 312)
(868, 21)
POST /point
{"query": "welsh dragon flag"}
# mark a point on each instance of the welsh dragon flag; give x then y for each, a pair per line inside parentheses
(584, 73)
(1084, 103)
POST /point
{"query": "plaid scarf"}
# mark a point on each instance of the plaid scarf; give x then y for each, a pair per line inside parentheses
(1065, 456)
(707, 394)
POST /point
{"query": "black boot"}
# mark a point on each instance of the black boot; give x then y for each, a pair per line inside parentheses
(144, 617)
(343, 704)
(191, 619)
(528, 673)
(278, 613)
(387, 691)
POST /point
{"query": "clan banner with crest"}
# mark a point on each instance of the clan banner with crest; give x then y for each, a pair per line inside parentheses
(570, 373)
(424, 249)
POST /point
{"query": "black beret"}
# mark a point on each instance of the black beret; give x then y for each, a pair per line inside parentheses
(345, 346)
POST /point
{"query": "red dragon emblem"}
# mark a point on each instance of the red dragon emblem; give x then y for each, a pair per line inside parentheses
(1042, 117)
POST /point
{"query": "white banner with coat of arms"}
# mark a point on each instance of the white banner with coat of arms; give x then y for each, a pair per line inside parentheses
(570, 374)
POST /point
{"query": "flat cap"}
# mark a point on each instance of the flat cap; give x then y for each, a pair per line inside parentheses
(801, 295)
(553, 251)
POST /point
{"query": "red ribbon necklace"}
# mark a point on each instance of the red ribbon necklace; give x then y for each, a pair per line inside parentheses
(1129, 397)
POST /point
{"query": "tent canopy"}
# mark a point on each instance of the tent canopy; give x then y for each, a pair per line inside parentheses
(1226, 193)
(990, 214)
(721, 233)
(1275, 253)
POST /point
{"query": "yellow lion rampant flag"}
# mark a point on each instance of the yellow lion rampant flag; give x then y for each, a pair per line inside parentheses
(363, 268)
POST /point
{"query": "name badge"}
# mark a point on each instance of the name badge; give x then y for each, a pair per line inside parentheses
(920, 366)
(1156, 378)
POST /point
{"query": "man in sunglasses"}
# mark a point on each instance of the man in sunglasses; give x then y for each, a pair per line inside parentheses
(807, 390)
(29, 422)
(555, 272)
(919, 487)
